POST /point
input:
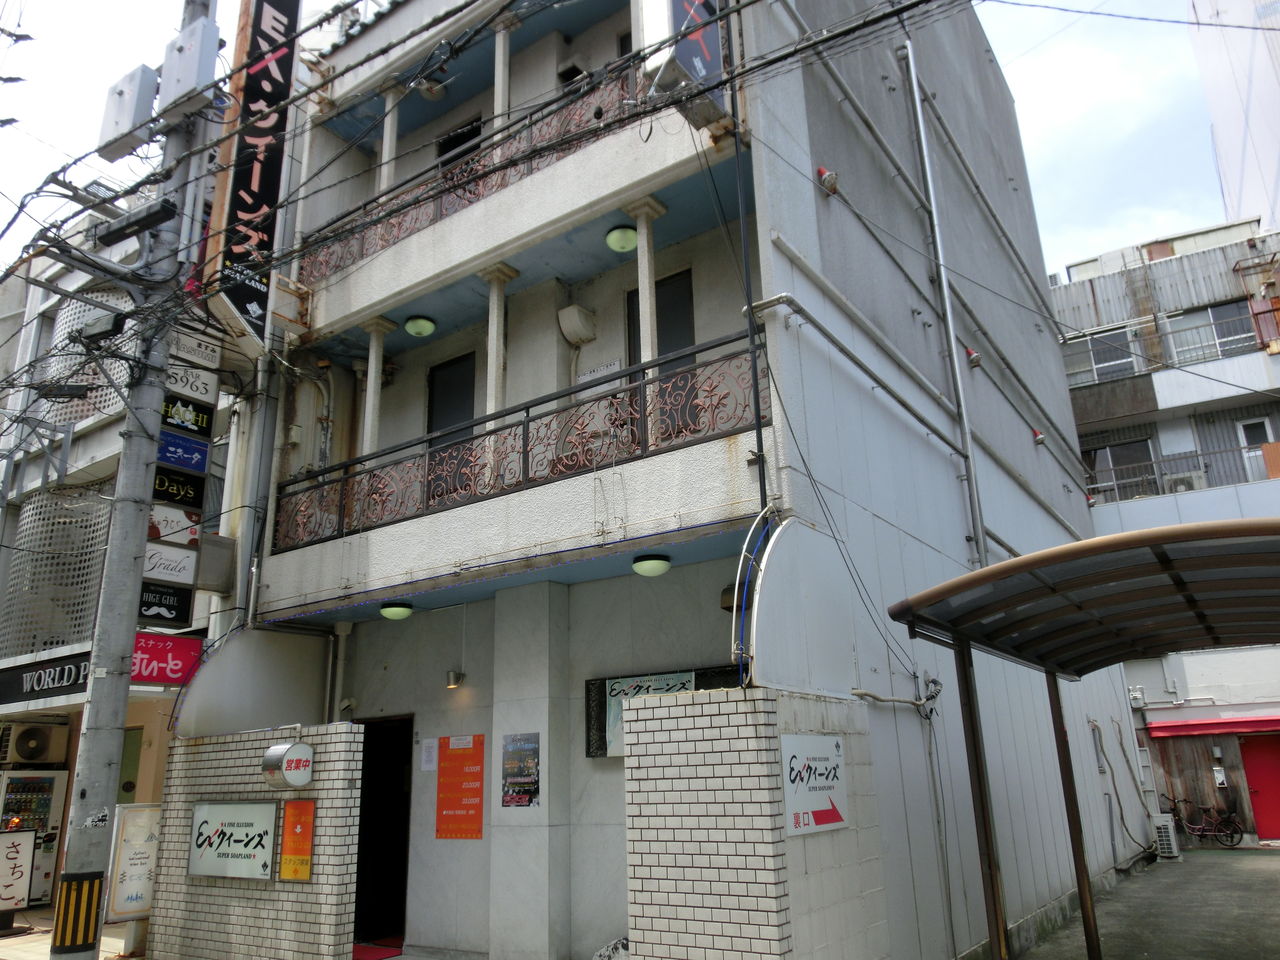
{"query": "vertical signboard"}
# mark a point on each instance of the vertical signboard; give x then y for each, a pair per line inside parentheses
(814, 789)
(296, 840)
(460, 788)
(17, 853)
(257, 164)
(133, 861)
(521, 758)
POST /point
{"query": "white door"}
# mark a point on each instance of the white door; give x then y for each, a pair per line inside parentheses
(1253, 434)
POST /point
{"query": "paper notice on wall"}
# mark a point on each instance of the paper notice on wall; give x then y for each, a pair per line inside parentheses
(430, 755)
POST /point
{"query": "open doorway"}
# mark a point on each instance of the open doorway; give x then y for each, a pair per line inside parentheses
(382, 868)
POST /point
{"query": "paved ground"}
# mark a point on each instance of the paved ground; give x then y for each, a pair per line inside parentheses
(35, 945)
(1213, 905)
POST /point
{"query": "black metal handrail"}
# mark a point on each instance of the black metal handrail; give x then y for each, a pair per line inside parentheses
(615, 418)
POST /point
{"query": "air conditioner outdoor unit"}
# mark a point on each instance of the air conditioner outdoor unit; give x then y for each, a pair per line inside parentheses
(33, 743)
(1166, 837)
(1182, 482)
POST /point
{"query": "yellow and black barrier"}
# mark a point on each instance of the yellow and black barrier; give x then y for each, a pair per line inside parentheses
(78, 914)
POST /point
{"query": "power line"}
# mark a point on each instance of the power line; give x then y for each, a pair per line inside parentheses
(1095, 12)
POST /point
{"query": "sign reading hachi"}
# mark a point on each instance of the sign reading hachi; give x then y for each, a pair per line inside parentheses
(814, 790)
(169, 564)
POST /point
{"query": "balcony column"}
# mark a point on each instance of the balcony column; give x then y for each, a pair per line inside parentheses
(377, 328)
(390, 131)
(495, 377)
(502, 28)
(644, 211)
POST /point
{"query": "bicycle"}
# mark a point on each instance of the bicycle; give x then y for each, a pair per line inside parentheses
(1225, 828)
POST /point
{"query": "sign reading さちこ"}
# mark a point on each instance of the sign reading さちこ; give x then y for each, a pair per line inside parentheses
(232, 840)
(460, 788)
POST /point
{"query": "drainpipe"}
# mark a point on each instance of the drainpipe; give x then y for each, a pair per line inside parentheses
(906, 53)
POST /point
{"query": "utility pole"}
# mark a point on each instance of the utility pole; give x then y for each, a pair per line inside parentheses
(81, 886)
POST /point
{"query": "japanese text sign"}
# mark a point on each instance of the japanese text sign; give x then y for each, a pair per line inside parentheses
(460, 788)
(814, 790)
(164, 658)
(232, 840)
(17, 853)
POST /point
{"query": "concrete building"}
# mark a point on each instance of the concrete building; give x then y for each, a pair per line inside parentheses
(1241, 74)
(627, 403)
(1171, 348)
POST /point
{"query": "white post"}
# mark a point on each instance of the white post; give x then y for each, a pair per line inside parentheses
(644, 211)
(378, 328)
(495, 380)
(502, 28)
(390, 131)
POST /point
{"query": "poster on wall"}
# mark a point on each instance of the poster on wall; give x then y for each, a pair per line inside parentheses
(232, 840)
(296, 839)
(17, 856)
(520, 760)
(460, 788)
(133, 861)
(814, 791)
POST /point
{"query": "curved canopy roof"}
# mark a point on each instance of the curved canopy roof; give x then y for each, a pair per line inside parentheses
(1083, 606)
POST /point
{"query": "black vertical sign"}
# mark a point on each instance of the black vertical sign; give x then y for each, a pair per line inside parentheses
(258, 162)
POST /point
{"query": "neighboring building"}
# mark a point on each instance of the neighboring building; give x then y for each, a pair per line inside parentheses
(527, 255)
(1173, 355)
(1240, 69)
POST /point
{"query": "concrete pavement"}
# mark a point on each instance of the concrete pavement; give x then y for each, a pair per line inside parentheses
(1212, 905)
(35, 945)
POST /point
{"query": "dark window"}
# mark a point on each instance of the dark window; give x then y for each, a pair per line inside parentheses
(624, 44)
(460, 140)
(571, 76)
(451, 397)
(674, 295)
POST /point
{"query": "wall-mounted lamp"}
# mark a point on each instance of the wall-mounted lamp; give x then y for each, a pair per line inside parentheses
(453, 679)
(651, 564)
(396, 610)
(622, 238)
(419, 326)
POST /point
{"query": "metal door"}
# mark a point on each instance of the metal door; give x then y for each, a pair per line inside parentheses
(1261, 755)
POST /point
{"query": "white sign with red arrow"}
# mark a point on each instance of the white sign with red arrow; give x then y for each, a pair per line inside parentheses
(814, 783)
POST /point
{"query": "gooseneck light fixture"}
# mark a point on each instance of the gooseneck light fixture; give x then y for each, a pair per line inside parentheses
(622, 238)
(651, 564)
(396, 610)
(419, 326)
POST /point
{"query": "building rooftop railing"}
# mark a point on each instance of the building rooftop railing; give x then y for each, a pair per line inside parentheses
(1147, 346)
(643, 410)
(1178, 473)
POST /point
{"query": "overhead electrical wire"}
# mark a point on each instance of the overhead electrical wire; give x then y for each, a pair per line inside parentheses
(1140, 18)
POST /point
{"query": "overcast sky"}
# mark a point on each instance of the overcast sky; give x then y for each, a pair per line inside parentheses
(1112, 113)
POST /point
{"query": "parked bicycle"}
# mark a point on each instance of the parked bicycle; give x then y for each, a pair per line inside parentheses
(1225, 828)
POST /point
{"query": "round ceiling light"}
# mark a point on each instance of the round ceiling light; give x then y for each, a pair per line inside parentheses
(622, 238)
(419, 326)
(396, 610)
(651, 564)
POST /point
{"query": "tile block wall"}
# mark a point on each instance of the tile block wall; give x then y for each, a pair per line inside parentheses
(215, 918)
(706, 877)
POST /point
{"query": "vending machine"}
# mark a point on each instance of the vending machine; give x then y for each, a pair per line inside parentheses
(32, 800)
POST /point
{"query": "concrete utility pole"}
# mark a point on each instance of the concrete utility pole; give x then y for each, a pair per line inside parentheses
(81, 887)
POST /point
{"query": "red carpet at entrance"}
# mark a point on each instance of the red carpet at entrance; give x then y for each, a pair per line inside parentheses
(374, 951)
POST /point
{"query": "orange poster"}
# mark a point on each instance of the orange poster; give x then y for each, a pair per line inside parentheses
(460, 788)
(295, 840)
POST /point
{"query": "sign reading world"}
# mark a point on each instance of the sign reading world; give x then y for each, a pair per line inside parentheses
(815, 792)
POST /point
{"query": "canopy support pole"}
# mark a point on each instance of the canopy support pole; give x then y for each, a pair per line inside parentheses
(1084, 892)
(988, 860)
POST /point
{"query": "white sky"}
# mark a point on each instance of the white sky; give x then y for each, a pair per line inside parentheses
(1112, 113)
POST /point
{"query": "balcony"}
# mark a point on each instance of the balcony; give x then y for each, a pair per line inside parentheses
(461, 181)
(1149, 346)
(1178, 474)
(638, 412)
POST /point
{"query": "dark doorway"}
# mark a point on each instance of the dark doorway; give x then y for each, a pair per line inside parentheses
(451, 397)
(673, 299)
(382, 867)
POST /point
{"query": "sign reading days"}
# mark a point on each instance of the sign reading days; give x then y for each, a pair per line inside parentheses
(814, 790)
(460, 788)
(232, 840)
(183, 489)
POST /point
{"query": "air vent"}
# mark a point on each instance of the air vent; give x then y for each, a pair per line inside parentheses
(1166, 838)
(1182, 482)
(33, 743)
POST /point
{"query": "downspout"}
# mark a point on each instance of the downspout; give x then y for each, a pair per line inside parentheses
(948, 315)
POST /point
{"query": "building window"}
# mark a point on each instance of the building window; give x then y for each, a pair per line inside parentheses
(1224, 330)
(461, 141)
(1122, 471)
(1100, 356)
(1253, 434)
